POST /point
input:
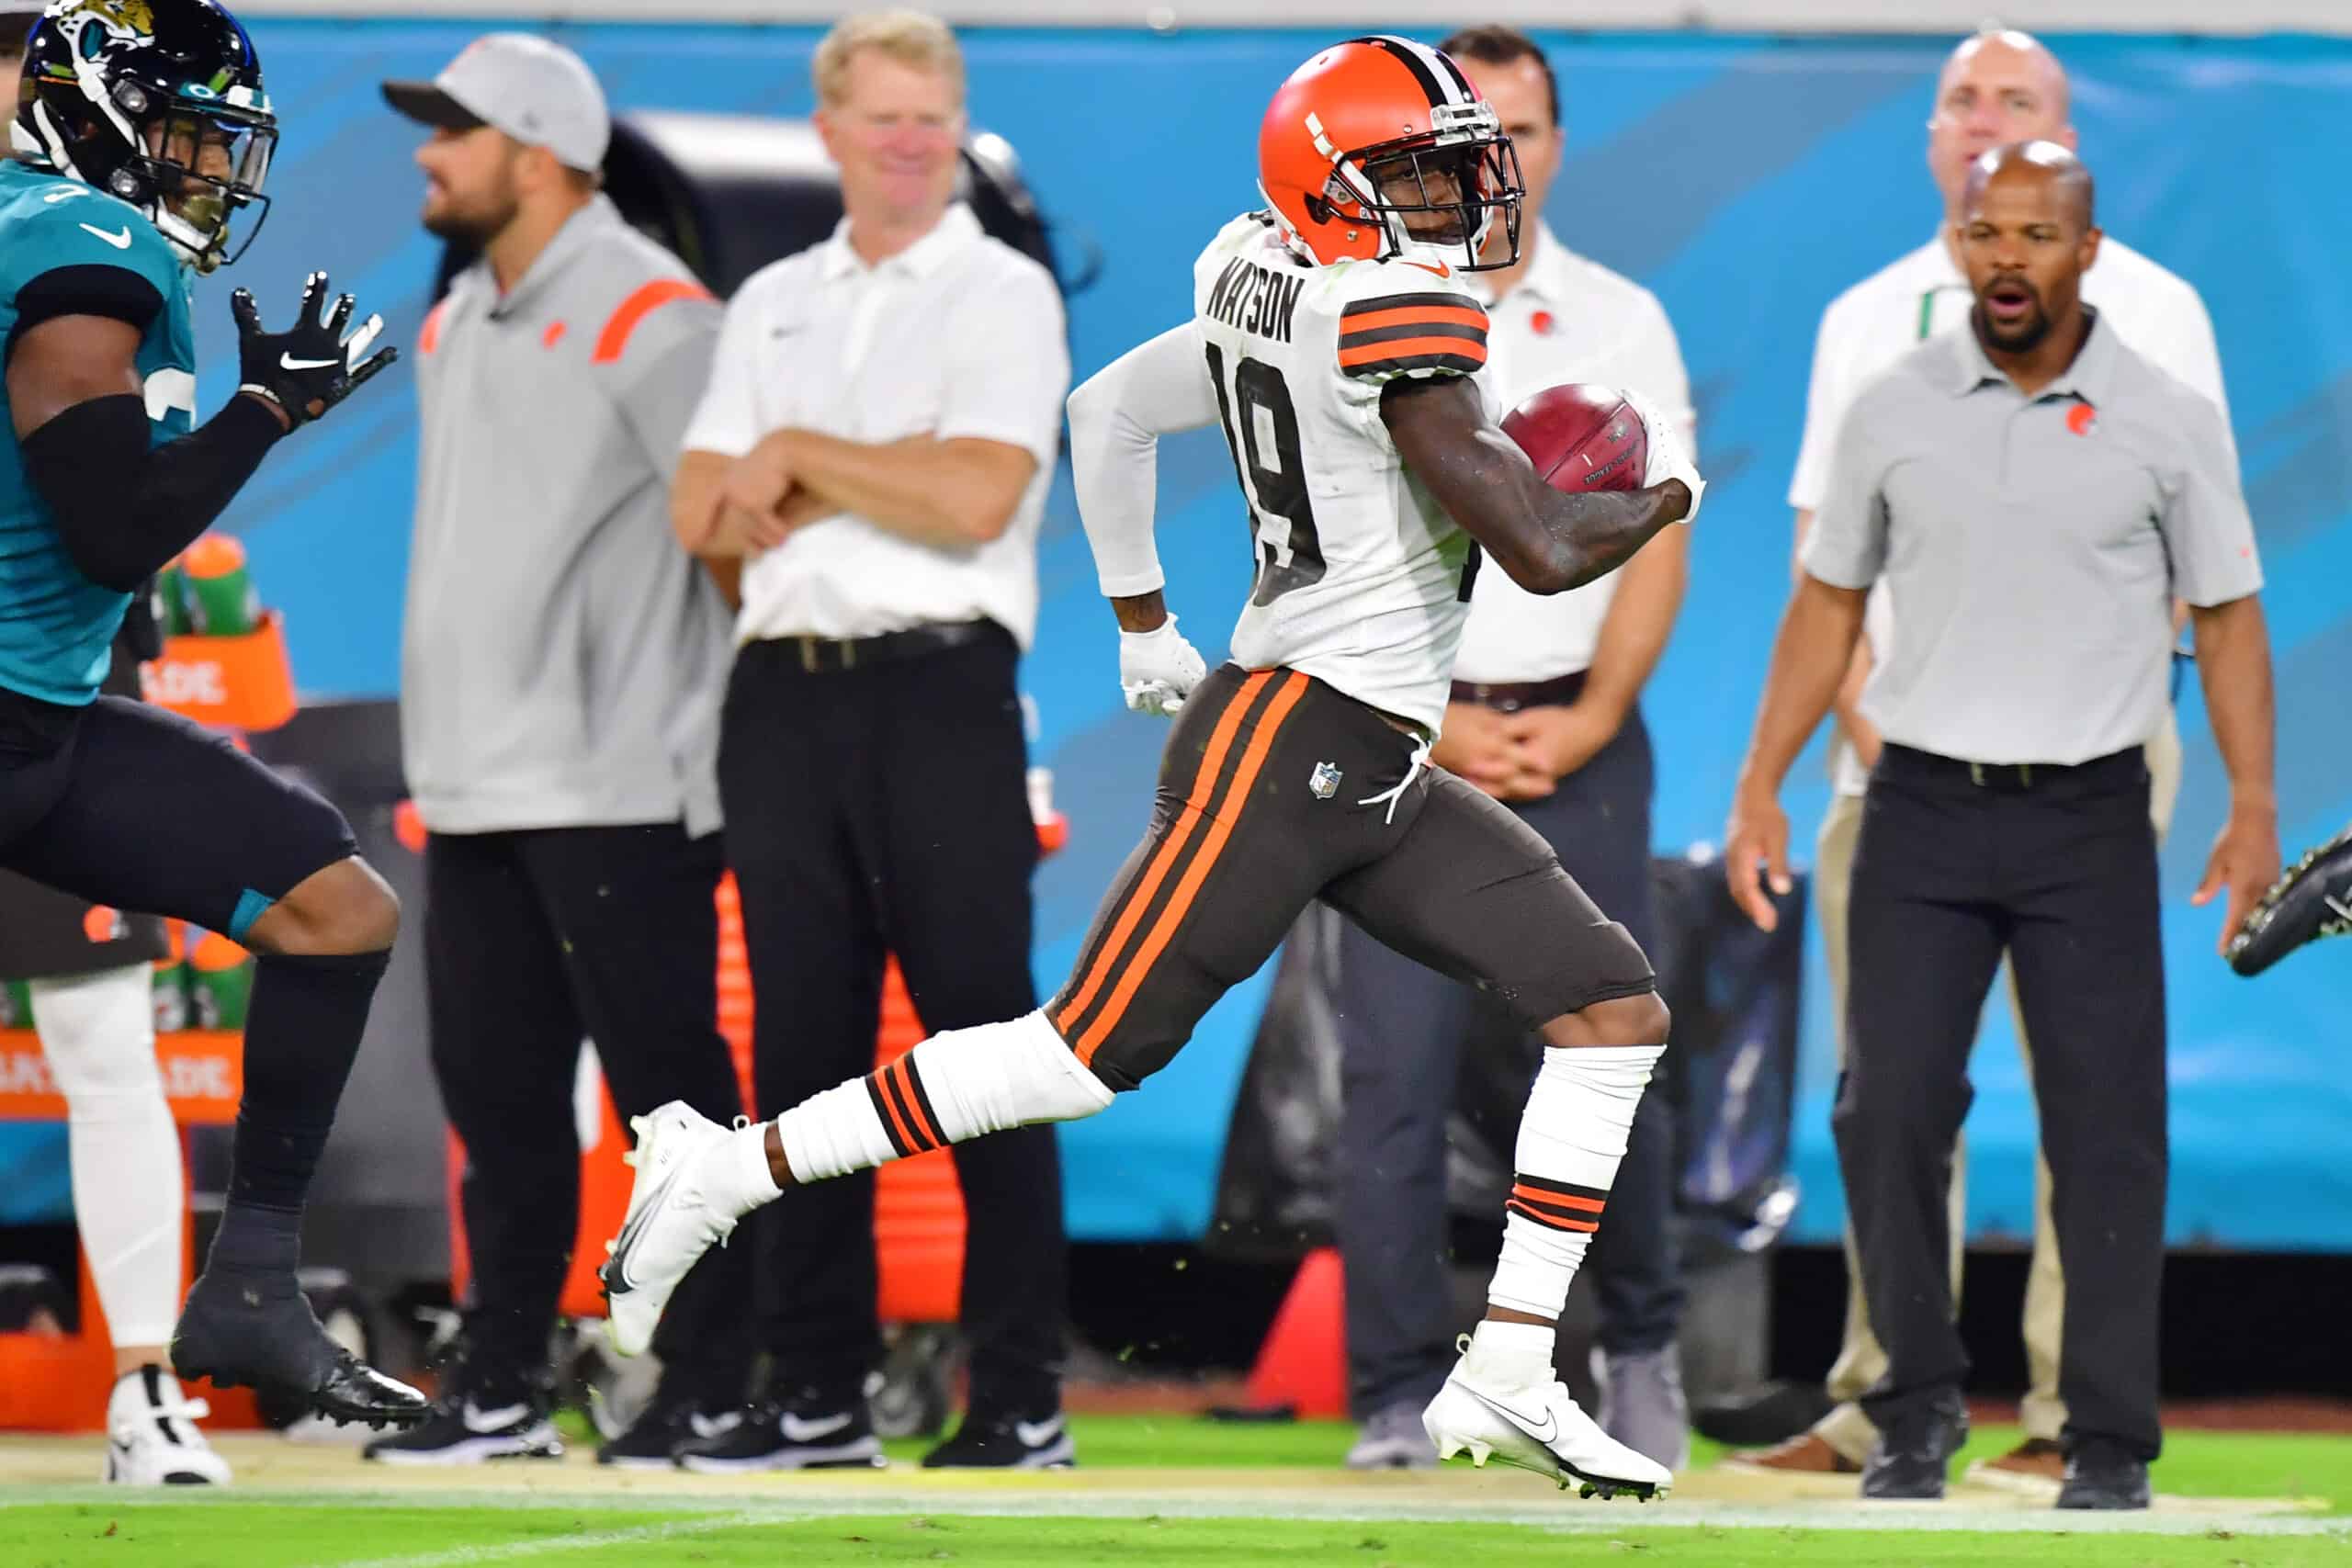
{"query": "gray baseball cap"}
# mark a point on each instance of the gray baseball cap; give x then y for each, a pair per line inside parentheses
(538, 92)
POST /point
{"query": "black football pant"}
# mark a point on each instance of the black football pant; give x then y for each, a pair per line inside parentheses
(533, 941)
(2056, 866)
(882, 811)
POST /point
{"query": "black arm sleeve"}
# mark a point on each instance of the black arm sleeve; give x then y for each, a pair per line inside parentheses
(124, 508)
(115, 292)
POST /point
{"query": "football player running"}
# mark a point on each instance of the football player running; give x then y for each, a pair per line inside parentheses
(142, 139)
(1333, 346)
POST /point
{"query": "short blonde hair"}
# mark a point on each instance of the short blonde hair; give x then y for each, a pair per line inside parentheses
(912, 37)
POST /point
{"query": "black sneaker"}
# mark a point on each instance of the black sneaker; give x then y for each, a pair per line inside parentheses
(1006, 1442)
(2104, 1475)
(471, 1426)
(794, 1436)
(1911, 1457)
(671, 1420)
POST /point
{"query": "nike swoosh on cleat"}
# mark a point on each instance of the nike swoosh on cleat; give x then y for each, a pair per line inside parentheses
(797, 1430)
(489, 1421)
(1549, 1430)
(615, 1273)
(1038, 1434)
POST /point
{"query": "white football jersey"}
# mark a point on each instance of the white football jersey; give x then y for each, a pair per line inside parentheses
(1362, 577)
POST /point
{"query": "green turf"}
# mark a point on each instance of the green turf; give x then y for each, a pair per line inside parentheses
(234, 1531)
(2196, 1464)
(221, 1535)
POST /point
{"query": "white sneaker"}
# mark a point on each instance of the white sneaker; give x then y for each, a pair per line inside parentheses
(671, 1221)
(152, 1438)
(1536, 1427)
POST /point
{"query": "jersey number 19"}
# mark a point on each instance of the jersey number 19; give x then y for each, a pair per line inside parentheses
(1282, 518)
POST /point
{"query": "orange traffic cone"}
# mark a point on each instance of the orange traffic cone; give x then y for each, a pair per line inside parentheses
(1304, 1362)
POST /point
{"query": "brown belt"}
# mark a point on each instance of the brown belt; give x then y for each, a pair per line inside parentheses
(1510, 696)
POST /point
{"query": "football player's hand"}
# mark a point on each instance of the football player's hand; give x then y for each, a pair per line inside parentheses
(1158, 669)
(1670, 457)
(311, 366)
(1758, 832)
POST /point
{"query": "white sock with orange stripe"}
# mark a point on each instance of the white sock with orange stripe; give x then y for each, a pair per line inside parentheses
(1571, 1137)
(953, 1086)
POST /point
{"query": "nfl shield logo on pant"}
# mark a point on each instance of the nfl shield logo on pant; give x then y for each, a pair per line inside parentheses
(1324, 783)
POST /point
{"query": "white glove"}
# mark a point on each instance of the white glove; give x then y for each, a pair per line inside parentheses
(1158, 669)
(1670, 459)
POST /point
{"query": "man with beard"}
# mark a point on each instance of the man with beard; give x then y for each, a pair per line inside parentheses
(1996, 87)
(558, 717)
(2035, 494)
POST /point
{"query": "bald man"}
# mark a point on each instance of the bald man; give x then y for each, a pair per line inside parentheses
(2037, 497)
(1997, 87)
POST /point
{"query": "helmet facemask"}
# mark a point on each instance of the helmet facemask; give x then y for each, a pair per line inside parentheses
(1464, 171)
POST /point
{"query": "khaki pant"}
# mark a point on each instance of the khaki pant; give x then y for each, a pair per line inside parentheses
(1860, 1360)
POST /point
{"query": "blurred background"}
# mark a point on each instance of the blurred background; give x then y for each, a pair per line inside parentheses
(1744, 161)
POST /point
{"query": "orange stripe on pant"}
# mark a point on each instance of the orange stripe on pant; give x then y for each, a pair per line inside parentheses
(1195, 803)
(1293, 688)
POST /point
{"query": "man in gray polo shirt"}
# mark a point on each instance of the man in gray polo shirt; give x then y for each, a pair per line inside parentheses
(2033, 493)
(558, 717)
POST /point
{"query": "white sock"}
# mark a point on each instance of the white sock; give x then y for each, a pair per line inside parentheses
(1571, 1137)
(1504, 1356)
(99, 1033)
(952, 1087)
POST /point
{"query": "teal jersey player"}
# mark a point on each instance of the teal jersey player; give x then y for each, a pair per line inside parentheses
(56, 626)
(142, 137)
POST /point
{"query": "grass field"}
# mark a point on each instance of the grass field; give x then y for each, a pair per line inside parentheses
(1153, 1492)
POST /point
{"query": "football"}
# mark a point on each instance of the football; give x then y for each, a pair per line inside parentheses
(1582, 437)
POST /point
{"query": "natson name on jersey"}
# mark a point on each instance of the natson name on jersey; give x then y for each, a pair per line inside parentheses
(1250, 299)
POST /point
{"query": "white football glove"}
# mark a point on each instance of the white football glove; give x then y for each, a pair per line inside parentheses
(1158, 669)
(1669, 458)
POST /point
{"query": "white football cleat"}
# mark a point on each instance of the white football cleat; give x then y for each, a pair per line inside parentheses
(1537, 1428)
(152, 1438)
(670, 1219)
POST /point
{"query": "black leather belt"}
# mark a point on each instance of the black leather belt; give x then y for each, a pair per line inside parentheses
(1510, 696)
(823, 655)
(2010, 775)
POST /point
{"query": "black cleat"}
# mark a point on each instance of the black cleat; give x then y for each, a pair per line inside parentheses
(2312, 899)
(257, 1331)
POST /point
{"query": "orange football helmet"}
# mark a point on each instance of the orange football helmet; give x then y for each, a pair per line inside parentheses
(1375, 118)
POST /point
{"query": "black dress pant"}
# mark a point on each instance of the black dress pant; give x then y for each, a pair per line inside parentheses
(1402, 1028)
(876, 811)
(2056, 866)
(532, 940)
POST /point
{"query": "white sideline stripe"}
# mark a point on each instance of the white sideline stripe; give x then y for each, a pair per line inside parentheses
(1563, 1518)
(580, 1541)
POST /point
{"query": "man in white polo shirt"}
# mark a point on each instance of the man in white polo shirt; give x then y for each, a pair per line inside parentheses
(875, 446)
(560, 684)
(1996, 87)
(1544, 715)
